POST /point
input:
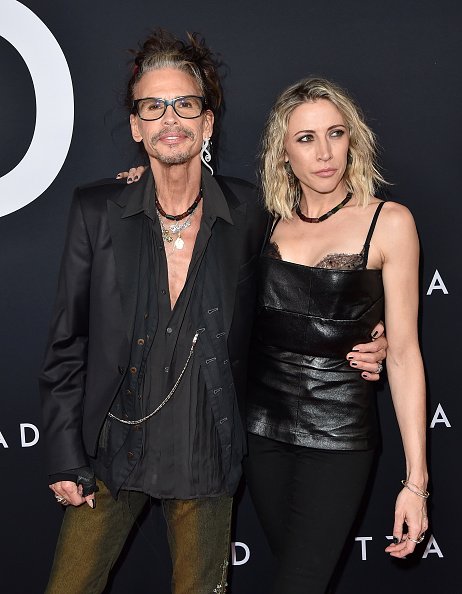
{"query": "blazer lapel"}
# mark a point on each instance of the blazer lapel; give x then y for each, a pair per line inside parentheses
(126, 216)
(227, 245)
(229, 250)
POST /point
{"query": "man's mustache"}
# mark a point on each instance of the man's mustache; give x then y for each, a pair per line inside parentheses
(177, 129)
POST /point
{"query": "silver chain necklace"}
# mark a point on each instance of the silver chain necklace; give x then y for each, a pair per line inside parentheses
(174, 228)
(178, 226)
(169, 395)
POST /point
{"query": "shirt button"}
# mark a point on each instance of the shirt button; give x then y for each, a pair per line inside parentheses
(140, 341)
(169, 330)
(166, 369)
(128, 392)
(164, 292)
(136, 427)
(146, 316)
(133, 370)
(130, 455)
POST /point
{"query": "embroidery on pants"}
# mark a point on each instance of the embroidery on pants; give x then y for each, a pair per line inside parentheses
(221, 587)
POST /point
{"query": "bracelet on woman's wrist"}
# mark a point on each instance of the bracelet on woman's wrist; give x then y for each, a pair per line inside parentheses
(415, 489)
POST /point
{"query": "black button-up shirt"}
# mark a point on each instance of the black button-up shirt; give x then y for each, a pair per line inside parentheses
(181, 452)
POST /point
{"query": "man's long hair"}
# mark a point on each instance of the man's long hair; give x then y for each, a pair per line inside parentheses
(163, 50)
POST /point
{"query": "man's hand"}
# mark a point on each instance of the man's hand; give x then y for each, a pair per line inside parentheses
(82, 490)
(72, 493)
(368, 357)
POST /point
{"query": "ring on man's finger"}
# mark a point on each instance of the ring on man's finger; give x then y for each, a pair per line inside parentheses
(418, 540)
(379, 368)
(61, 500)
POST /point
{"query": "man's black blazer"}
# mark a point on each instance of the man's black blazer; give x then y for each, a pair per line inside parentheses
(92, 325)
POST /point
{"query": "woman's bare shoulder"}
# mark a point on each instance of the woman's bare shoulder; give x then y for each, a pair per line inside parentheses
(396, 216)
(396, 233)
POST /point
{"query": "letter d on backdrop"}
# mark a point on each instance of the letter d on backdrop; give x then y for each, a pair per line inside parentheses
(54, 100)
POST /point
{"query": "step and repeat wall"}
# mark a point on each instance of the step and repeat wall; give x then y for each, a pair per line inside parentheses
(63, 69)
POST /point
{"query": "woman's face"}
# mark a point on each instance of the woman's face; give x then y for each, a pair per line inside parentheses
(316, 146)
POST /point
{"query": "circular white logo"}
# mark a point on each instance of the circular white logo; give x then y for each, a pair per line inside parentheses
(54, 107)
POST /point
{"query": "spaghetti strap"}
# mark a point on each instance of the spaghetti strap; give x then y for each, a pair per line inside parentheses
(369, 235)
(276, 220)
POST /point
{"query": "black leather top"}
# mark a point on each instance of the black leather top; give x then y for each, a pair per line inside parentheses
(301, 388)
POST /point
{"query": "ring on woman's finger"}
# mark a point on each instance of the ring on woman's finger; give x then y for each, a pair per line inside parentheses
(61, 500)
(379, 368)
(418, 540)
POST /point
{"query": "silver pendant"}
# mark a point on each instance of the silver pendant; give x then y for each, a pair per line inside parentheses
(179, 243)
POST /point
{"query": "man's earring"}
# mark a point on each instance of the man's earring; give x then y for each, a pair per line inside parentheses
(206, 157)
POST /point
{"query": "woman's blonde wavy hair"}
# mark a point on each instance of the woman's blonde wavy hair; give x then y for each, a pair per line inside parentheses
(281, 189)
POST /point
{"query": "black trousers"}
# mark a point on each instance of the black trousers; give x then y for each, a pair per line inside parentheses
(307, 500)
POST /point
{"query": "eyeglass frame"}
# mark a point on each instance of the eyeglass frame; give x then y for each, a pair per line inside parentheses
(166, 103)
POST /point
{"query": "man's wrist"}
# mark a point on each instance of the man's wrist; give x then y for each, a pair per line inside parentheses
(67, 475)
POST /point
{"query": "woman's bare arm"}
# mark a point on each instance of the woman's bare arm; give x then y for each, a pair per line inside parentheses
(398, 242)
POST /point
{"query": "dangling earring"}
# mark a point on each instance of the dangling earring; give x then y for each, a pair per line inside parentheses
(290, 175)
(206, 157)
(294, 193)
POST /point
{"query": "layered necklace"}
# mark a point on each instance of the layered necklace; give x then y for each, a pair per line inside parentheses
(169, 232)
(176, 228)
(184, 214)
(325, 215)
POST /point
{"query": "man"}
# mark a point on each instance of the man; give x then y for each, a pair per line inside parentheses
(148, 348)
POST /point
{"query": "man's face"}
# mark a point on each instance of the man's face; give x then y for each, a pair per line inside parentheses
(170, 140)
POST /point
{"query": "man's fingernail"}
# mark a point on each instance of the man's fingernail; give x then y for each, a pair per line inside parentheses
(129, 180)
(375, 334)
(350, 357)
(364, 375)
(118, 176)
(136, 178)
(355, 350)
(354, 364)
(395, 540)
(92, 503)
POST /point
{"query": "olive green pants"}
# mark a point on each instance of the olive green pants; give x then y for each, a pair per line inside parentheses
(91, 540)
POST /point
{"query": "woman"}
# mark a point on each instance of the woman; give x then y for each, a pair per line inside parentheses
(335, 254)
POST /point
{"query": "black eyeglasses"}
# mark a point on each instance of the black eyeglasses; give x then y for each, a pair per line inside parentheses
(153, 108)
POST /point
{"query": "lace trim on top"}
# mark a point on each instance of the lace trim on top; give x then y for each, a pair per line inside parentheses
(338, 261)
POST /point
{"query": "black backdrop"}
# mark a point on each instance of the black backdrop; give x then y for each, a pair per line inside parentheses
(400, 59)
